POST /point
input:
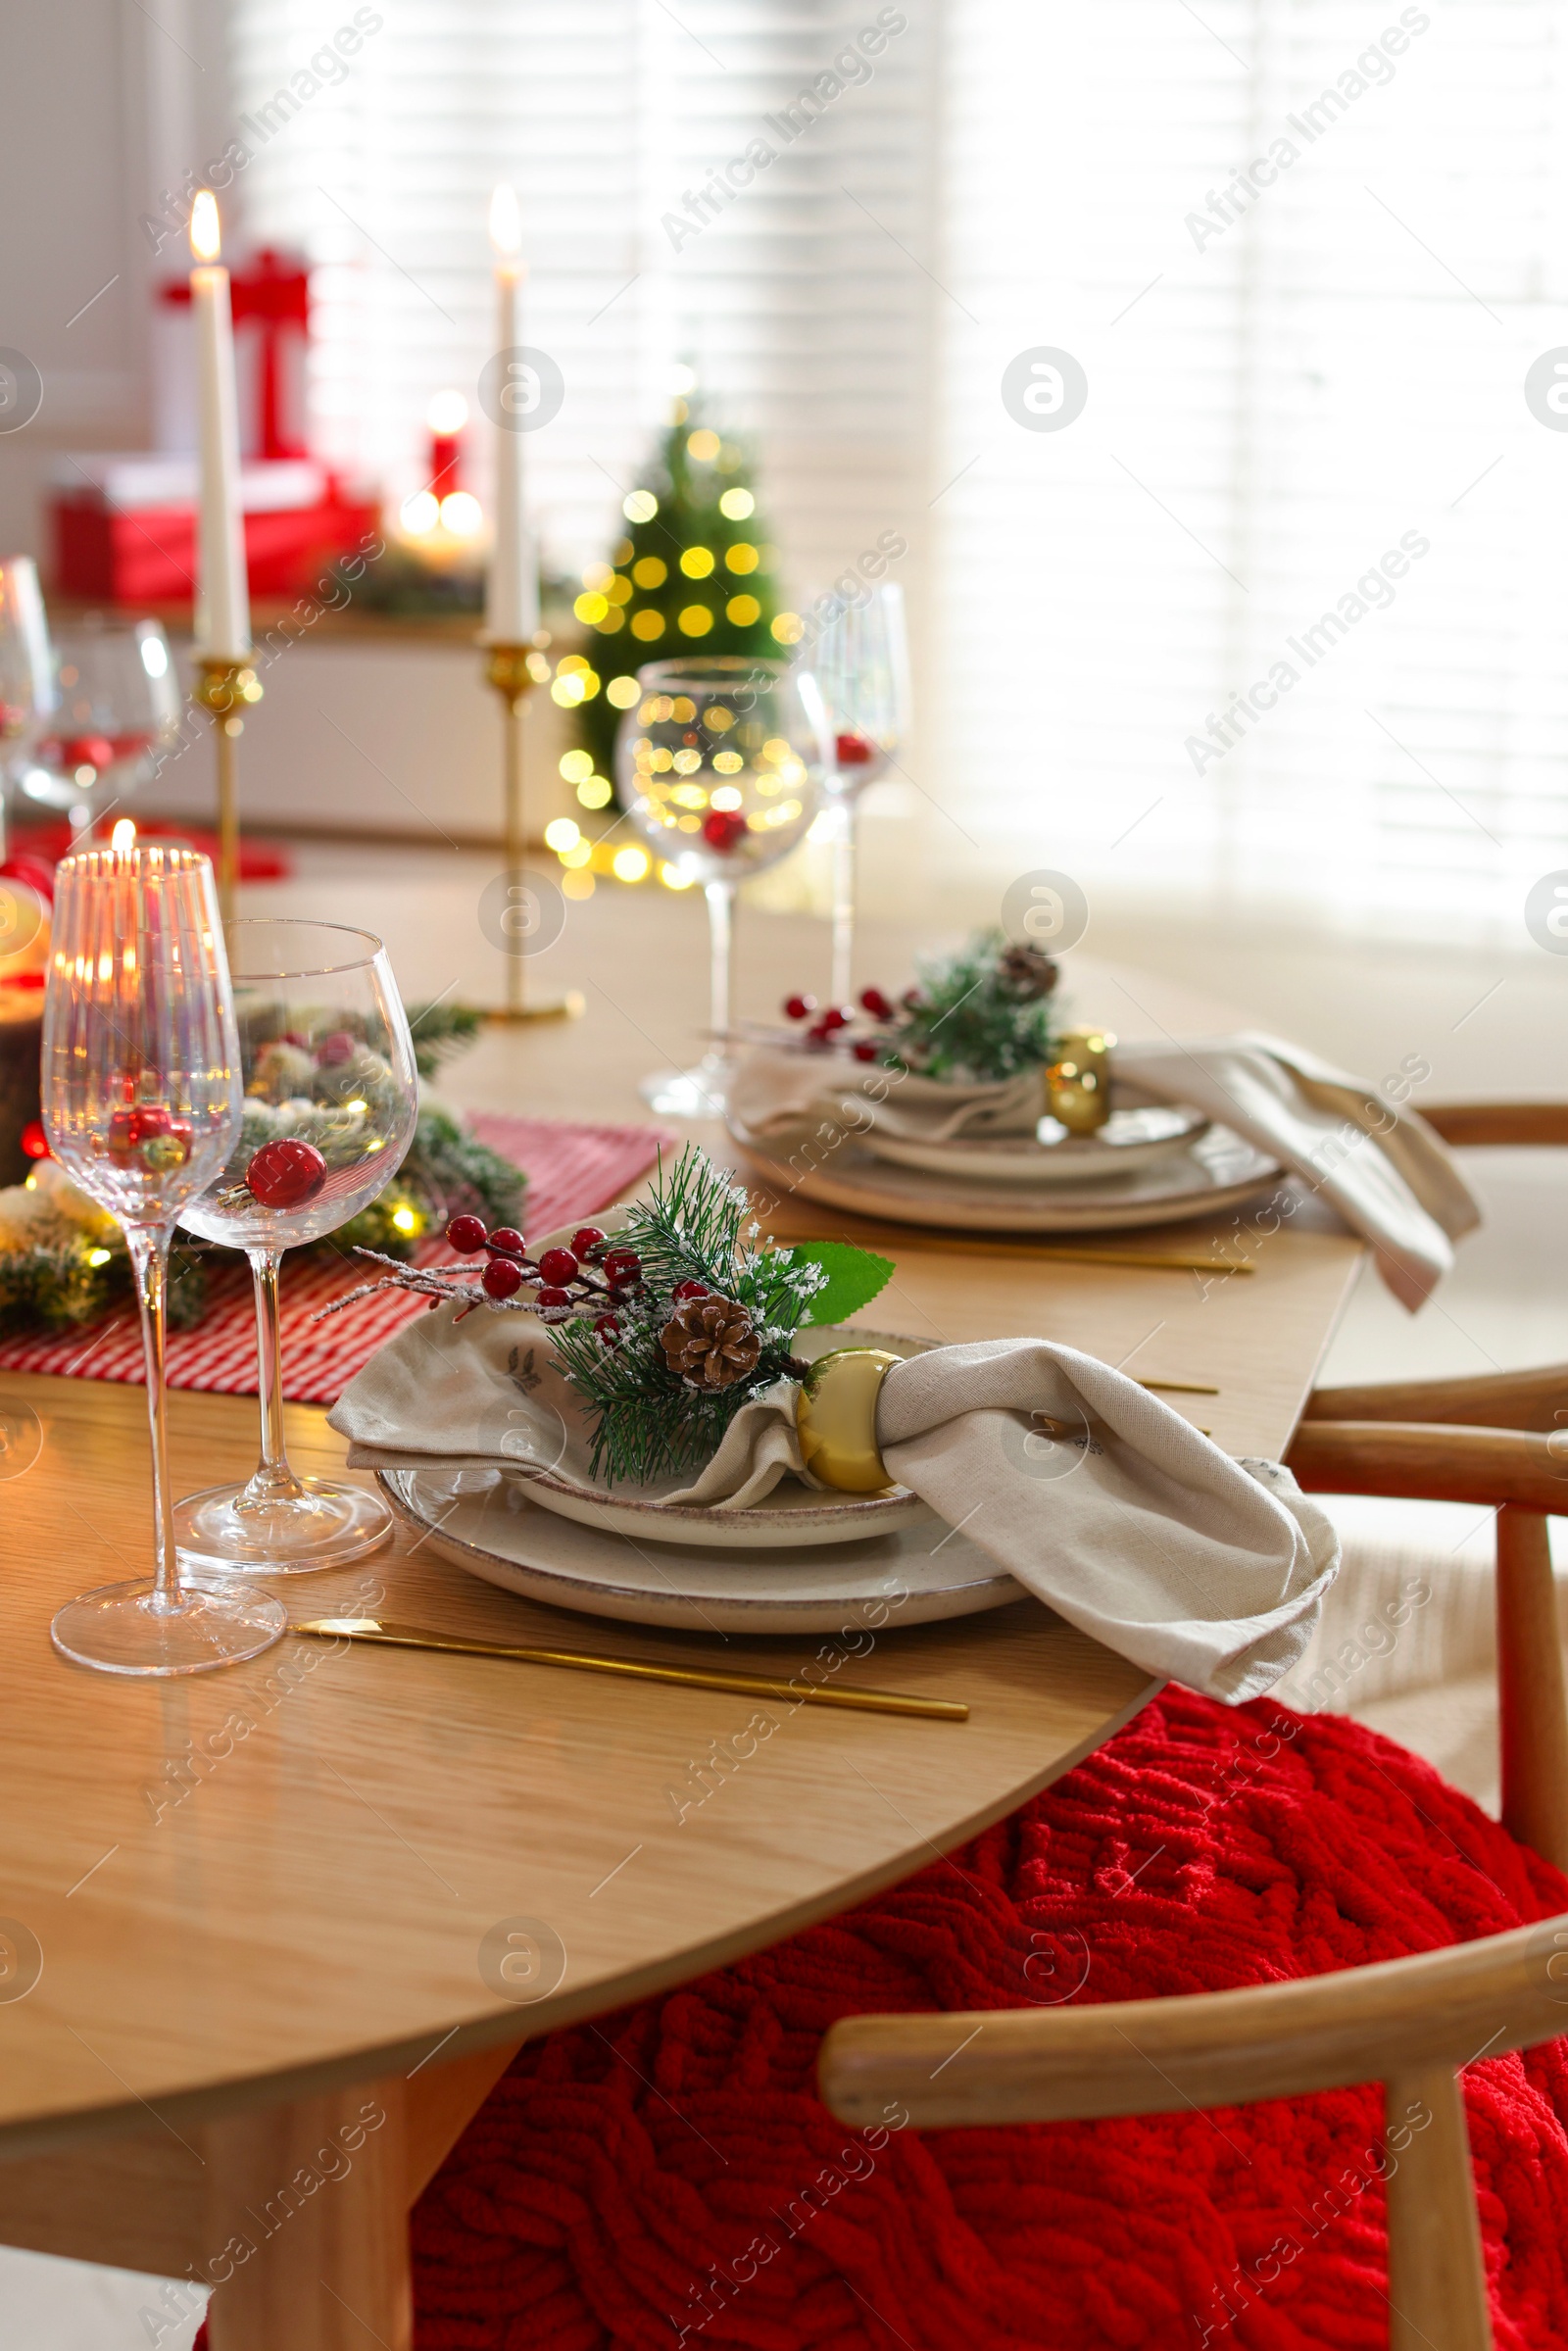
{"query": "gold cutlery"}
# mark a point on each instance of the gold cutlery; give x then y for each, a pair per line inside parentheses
(1181, 1386)
(691, 1677)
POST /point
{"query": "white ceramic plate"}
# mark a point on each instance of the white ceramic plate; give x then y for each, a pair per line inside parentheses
(1217, 1171)
(792, 1517)
(1130, 1139)
(485, 1521)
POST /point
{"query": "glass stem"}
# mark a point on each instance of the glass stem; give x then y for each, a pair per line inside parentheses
(149, 1257)
(843, 904)
(720, 897)
(274, 1481)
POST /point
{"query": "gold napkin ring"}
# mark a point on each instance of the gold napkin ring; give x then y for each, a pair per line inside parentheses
(836, 1418)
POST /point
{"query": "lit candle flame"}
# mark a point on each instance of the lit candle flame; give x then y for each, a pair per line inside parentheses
(122, 840)
(206, 243)
(506, 222)
(447, 414)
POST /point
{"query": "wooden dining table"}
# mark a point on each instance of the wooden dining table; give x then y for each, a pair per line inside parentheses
(269, 1935)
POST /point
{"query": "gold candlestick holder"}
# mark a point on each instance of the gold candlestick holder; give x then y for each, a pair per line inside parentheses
(226, 689)
(505, 668)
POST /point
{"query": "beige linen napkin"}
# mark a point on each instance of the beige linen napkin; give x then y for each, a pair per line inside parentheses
(773, 1092)
(1388, 1174)
(485, 1392)
(1090, 1490)
(1374, 1159)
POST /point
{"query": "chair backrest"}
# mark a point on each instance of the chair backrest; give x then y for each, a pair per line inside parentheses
(1412, 2024)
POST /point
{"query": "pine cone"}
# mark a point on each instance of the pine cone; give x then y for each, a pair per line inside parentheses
(709, 1342)
(1027, 973)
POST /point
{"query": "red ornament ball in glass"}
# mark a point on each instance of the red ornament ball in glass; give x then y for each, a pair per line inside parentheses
(722, 828)
(559, 1266)
(285, 1173)
(339, 1046)
(501, 1278)
(853, 751)
(34, 1141)
(466, 1235)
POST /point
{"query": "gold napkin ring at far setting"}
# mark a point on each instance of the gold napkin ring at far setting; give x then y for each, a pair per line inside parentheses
(1078, 1080)
(835, 1416)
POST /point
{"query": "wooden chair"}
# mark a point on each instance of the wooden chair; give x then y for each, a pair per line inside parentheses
(1412, 2024)
(1444, 1441)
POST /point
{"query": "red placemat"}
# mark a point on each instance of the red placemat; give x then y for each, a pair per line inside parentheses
(572, 1170)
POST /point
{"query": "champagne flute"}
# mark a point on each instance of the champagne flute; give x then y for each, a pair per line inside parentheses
(862, 663)
(720, 766)
(117, 702)
(331, 1100)
(26, 662)
(141, 1104)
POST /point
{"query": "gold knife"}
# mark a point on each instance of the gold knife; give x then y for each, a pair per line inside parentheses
(690, 1677)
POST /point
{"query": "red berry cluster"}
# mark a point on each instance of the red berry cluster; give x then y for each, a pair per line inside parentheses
(567, 1282)
(823, 1032)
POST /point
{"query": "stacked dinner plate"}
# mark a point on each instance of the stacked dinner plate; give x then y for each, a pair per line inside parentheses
(1153, 1162)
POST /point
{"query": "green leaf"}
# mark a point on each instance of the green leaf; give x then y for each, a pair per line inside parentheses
(855, 1277)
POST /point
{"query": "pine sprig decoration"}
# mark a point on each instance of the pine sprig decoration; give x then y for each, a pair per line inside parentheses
(982, 1014)
(649, 1423)
(439, 1030)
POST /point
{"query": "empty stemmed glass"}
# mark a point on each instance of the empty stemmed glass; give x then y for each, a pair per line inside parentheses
(117, 702)
(720, 764)
(141, 1104)
(862, 664)
(26, 662)
(331, 1102)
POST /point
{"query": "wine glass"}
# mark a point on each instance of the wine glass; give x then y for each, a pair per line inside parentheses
(141, 1105)
(331, 1102)
(26, 662)
(862, 664)
(720, 766)
(117, 702)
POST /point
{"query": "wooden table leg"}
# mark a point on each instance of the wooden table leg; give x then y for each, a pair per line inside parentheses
(311, 2225)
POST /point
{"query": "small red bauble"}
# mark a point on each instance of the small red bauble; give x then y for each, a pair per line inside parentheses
(690, 1290)
(559, 1266)
(285, 1173)
(501, 1278)
(552, 1303)
(87, 750)
(339, 1046)
(34, 1141)
(854, 750)
(467, 1236)
(508, 1240)
(609, 1330)
(623, 1266)
(585, 1240)
(722, 828)
(865, 1048)
(800, 1008)
(876, 1004)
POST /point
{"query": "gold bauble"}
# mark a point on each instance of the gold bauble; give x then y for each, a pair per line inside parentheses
(1078, 1080)
(836, 1417)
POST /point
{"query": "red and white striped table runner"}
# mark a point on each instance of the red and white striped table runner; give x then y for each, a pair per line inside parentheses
(572, 1172)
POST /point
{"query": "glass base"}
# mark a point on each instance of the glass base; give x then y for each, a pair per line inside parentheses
(697, 1093)
(325, 1525)
(130, 1629)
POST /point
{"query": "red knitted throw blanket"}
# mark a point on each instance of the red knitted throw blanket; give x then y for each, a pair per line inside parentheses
(669, 2178)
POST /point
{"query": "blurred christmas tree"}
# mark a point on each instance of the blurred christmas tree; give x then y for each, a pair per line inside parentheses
(693, 574)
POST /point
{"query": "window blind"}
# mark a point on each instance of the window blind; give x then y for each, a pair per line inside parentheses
(1276, 624)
